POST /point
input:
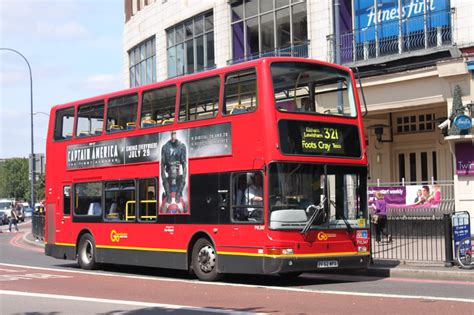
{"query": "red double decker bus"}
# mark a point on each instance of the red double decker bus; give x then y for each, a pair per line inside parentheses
(256, 168)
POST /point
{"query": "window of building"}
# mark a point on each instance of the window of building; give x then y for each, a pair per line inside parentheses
(64, 124)
(147, 199)
(199, 99)
(240, 92)
(122, 113)
(247, 198)
(143, 63)
(190, 45)
(414, 123)
(158, 107)
(120, 200)
(259, 26)
(67, 200)
(88, 199)
(90, 118)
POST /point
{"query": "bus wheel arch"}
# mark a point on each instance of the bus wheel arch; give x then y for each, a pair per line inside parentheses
(86, 251)
(202, 257)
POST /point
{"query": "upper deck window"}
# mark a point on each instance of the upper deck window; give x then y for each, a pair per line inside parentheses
(90, 118)
(158, 107)
(122, 113)
(240, 92)
(64, 123)
(199, 99)
(313, 88)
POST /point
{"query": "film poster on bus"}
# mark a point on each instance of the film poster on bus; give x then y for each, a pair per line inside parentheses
(172, 149)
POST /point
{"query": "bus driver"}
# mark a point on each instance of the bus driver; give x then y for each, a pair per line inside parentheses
(173, 175)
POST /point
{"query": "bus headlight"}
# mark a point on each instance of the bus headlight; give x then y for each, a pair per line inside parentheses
(361, 249)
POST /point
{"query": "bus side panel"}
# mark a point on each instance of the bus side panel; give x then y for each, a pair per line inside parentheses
(51, 227)
(157, 259)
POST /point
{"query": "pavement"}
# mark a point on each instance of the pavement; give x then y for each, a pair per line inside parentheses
(380, 268)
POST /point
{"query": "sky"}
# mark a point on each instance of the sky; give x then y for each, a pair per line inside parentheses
(74, 48)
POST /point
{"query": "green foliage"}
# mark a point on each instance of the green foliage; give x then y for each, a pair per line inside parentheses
(39, 187)
(456, 110)
(14, 182)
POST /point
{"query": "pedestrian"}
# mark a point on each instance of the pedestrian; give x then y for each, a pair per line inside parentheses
(379, 218)
(13, 219)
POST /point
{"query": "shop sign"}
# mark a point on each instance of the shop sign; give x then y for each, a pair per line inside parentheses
(464, 159)
(463, 122)
(387, 15)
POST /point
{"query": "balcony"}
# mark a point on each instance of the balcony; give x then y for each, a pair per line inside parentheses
(290, 51)
(421, 33)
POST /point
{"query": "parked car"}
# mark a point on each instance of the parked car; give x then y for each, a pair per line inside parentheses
(27, 212)
(3, 217)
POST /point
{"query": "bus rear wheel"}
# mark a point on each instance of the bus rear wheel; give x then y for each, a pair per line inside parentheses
(86, 257)
(204, 260)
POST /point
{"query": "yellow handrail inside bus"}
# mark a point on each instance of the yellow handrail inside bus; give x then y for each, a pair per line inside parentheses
(126, 210)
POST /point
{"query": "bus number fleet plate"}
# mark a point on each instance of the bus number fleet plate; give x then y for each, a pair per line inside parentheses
(328, 264)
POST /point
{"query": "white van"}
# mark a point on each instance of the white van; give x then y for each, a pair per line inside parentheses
(5, 209)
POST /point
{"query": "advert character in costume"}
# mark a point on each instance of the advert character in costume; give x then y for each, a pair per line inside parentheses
(173, 175)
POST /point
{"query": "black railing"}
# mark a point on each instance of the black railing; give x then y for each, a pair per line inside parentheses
(301, 50)
(419, 237)
(37, 226)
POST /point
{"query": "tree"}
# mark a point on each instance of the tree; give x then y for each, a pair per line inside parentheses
(39, 187)
(14, 182)
(456, 110)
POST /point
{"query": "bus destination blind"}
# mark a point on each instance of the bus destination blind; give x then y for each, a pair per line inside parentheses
(319, 138)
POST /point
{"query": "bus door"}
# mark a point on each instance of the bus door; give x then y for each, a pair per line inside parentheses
(63, 216)
(247, 205)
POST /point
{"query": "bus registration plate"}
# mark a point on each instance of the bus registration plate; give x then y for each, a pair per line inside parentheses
(328, 264)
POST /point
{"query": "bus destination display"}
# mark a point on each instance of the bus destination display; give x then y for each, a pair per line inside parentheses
(319, 138)
(322, 140)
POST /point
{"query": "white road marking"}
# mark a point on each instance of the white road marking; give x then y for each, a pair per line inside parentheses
(197, 282)
(31, 276)
(123, 302)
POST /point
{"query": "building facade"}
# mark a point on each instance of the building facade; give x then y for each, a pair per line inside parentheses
(411, 55)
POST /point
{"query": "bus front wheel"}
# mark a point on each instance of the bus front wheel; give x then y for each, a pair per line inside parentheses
(86, 256)
(204, 260)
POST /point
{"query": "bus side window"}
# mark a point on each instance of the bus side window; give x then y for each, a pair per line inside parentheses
(89, 119)
(158, 107)
(88, 199)
(147, 194)
(64, 124)
(120, 200)
(199, 99)
(240, 95)
(67, 200)
(122, 113)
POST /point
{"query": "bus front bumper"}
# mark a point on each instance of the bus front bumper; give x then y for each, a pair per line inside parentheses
(306, 264)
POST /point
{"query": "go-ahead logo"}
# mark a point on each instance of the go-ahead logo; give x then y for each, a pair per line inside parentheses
(322, 236)
(116, 236)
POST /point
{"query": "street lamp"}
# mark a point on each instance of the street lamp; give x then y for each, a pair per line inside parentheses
(31, 125)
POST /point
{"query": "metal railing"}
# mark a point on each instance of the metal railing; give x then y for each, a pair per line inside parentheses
(301, 50)
(415, 238)
(418, 233)
(422, 32)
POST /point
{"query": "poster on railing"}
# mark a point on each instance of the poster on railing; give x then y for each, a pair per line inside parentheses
(409, 196)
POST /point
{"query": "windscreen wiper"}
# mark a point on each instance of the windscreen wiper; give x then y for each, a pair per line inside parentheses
(349, 227)
(316, 214)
